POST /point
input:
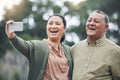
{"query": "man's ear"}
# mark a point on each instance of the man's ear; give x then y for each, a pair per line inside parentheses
(106, 27)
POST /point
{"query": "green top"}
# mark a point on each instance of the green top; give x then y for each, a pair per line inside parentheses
(37, 53)
(97, 61)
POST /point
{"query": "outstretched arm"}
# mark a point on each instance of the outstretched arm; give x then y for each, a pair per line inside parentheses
(25, 47)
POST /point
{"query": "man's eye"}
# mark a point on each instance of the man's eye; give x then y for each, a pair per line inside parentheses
(96, 21)
(89, 20)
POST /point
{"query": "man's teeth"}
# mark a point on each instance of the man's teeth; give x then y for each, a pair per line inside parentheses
(92, 28)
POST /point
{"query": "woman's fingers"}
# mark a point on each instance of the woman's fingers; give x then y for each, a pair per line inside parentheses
(10, 35)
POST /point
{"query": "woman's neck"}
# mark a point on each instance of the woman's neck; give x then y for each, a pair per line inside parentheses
(54, 43)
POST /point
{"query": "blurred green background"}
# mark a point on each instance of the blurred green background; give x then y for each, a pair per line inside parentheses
(34, 15)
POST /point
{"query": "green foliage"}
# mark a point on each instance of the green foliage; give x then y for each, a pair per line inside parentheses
(3, 77)
(19, 11)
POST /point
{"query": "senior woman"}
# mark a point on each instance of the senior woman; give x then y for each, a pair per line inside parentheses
(49, 59)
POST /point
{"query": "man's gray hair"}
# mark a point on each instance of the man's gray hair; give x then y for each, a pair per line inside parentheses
(104, 14)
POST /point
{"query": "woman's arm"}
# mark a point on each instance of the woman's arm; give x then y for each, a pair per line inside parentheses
(25, 47)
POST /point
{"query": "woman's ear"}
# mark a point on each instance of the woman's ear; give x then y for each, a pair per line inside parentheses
(64, 30)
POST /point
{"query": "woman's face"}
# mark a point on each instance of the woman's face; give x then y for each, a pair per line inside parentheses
(55, 28)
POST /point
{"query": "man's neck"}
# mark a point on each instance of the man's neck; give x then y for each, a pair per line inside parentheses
(92, 39)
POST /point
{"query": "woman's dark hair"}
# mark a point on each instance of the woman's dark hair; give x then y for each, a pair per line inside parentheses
(64, 23)
(105, 15)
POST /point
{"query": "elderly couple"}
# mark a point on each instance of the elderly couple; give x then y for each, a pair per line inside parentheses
(95, 58)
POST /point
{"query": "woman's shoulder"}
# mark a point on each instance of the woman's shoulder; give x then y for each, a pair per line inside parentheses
(37, 42)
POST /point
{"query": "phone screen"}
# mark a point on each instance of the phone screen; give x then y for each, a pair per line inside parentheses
(16, 26)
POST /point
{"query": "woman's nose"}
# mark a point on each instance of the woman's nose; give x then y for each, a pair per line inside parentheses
(53, 26)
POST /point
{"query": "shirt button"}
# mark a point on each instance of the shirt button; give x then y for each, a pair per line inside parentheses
(88, 59)
(91, 47)
(84, 69)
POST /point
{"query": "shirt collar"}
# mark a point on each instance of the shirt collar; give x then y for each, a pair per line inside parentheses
(52, 46)
(98, 42)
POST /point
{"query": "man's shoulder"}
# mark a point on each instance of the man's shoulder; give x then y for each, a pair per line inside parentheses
(80, 43)
(112, 45)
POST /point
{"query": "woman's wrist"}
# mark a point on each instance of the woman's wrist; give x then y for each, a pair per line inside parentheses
(12, 37)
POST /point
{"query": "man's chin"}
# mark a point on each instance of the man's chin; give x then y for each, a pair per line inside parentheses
(91, 35)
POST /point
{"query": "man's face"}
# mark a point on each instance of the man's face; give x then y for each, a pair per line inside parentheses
(96, 26)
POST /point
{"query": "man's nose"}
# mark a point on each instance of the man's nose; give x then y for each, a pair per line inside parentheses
(92, 22)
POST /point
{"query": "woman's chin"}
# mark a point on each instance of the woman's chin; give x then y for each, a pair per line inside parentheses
(53, 38)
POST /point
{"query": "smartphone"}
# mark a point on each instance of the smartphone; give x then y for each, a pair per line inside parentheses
(16, 26)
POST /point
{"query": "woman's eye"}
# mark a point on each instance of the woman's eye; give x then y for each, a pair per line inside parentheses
(58, 24)
(50, 23)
